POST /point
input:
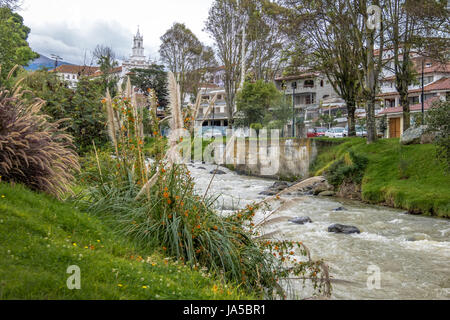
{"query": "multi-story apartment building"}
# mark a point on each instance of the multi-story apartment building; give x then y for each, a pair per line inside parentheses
(436, 86)
(313, 96)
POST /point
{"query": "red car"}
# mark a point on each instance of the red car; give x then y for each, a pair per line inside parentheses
(316, 132)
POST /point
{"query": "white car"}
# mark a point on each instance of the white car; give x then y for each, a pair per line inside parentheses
(336, 133)
(212, 133)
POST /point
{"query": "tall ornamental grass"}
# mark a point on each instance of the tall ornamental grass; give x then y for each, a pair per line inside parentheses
(34, 150)
(154, 202)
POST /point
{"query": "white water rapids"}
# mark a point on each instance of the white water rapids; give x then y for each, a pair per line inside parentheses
(411, 252)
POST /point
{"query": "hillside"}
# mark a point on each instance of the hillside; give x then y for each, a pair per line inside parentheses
(44, 62)
(41, 237)
(407, 177)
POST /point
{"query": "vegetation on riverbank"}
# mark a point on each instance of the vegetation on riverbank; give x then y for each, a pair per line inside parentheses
(41, 237)
(408, 177)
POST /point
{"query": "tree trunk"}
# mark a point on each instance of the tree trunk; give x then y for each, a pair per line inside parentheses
(404, 102)
(351, 108)
(370, 119)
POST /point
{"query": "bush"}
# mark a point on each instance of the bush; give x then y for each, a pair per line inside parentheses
(33, 150)
(438, 121)
(350, 168)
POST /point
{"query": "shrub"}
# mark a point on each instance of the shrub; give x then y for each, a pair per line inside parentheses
(350, 168)
(438, 121)
(33, 150)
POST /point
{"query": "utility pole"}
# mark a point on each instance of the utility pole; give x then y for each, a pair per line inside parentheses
(56, 58)
(294, 86)
(423, 95)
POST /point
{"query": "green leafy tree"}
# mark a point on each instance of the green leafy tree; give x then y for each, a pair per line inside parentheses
(255, 101)
(438, 121)
(14, 48)
(81, 108)
(87, 116)
(53, 90)
(152, 78)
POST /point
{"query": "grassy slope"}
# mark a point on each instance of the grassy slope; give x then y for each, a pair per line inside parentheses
(40, 237)
(407, 177)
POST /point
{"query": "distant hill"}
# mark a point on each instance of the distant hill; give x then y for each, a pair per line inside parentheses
(44, 62)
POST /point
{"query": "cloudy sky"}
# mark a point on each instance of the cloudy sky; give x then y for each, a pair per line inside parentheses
(71, 28)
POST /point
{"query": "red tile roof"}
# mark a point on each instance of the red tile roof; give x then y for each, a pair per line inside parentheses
(83, 70)
(415, 107)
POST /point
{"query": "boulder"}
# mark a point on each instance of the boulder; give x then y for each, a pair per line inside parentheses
(217, 171)
(340, 209)
(340, 228)
(327, 194)
(268, 193)
(279, 185)
(301, 220)
(321, 187)
(413, 135)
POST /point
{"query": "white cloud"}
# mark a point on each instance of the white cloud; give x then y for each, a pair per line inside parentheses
(70, 28)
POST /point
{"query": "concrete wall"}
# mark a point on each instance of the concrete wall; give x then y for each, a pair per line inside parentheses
(283, 159)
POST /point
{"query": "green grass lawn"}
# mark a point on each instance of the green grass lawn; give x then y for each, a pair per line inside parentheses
(408, 177)
(40, 237)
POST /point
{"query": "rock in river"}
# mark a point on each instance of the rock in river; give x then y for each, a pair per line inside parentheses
(327, 194)
(340, 228)
(340, 209)
(301, 220)
(217, 171)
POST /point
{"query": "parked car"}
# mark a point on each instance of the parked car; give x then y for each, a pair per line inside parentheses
(336, 133)
(360, 131)
(316, 132)
(212, 133)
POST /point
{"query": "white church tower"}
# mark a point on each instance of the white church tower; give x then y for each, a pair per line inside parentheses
(137, 60)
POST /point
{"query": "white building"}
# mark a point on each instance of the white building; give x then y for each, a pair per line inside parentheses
(137, 60)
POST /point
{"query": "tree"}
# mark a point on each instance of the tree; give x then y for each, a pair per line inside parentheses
(265, 38)
(413, 26)
(11, 4)
(200, 65)
(255, 101)
(106, 59)
(366, 36)
(152, 78)
(225, 25)
(14, 48)
(438, 121)
(331, 51)
(81, 108)
(180, 50)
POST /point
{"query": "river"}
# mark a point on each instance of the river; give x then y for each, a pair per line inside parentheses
(411, 253)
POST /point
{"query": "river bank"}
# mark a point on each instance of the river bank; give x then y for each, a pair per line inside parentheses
(403, 177)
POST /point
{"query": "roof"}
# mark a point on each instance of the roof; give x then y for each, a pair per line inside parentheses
(441, 84)
(415, 107)
(98, 73)
(84, 70)
(298, 76)
(436, 67)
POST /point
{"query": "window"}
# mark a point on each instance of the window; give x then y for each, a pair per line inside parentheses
(321, 83)
(413, 100)
(308, 84)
